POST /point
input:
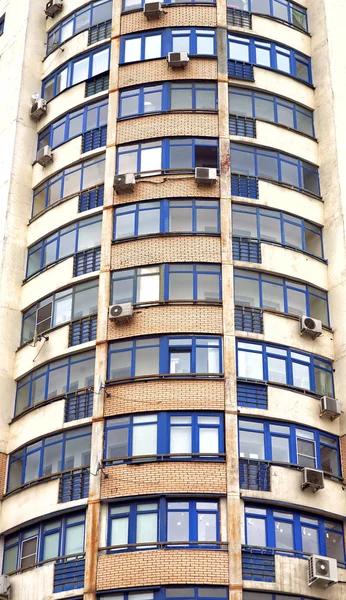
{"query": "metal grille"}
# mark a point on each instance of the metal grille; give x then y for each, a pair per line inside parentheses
(78, 405)
(68, 574)
(99, 32)
(97, 84)
(74, 485)
(252, 395)
(239, 18)
(95, 138)
(91, 198)
(246, 249)
(244, 126)
(240, 70)
(254, 475)
(83, 330)
(87, 261)
(245, 186)
(247, 318)
(258, 564)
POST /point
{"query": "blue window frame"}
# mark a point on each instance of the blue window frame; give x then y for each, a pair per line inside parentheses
(288, 443)
(156, 44)
(293, 530)
(263, 290)
(69, 182)
(270, 596)
(177, 355)
(172, 593)
(179, 523)
(53, 454)
(164, 435)
(80, 20)
(277, 227)
(63, 243)
(75, 71)
(55, 379)
(188, 215)
(274, 109)
(154, 156)
(181, 281)
(264, 53)
(64, 306)
(49, 539)
(275, 166)
(74, 124)
(2, 24)
(282, 365)
(283, 10)
(169, 96)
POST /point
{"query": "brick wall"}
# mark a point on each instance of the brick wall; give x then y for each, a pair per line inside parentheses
(173, 16)
(3, 471)
(164, 478)
(168, 186)
(165, 394)
(162, 567)
(158, 70)
(159, 250)
(190, 124)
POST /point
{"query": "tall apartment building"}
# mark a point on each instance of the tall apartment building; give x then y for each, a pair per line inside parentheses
(184, 164)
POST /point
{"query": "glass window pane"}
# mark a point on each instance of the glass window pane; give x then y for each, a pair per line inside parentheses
(334, 545)
(77, 452)
(80, 70)
(205, 45)
(296, 302)
(313, 242)
(255, 532)
(117, 442)
(144, 439)
(32, 466)
(310, 540)
(74, 543)
(178, 526)
(207, 360)
(280, 449)
(251, 445)
(285, 116)
(119, 531)
(180, 219)
(209, 440)
(289, 173)
(277, 370)
(273, 296)
(264, 109)
(181, 286)
(250, 365)
(238, 51)
(301, 375)
(51, 546)
(323, 383)
(283, 535)
(52, 459)
(180, 440)
(246, 292)
(132, 50)
(146, 528)
(152, 48)
(206, 527)
(181, 43)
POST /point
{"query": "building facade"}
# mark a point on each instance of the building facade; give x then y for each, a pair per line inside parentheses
(162, 454)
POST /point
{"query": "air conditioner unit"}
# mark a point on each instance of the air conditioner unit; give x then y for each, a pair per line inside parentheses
(177, 59)
(330, 407)
(120, 311)
(205, 175)
(312, 478)
(152, 10)
(323, 569)
(53, 7)
(5, 584)
(311, 327)
(124, 183)
(44, 156)
(38, 109)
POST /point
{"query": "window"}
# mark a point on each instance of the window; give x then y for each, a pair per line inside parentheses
(74, 71)
(293, 531)
(167, 282)
(69, 182)
(2, 24)
(167, 216)
(46, 540)
(184, 435)
(275, 166)
(179, 356)
(286, 366)
(74, 124)
(181, 154)
(287, 443)
(180, 523)
(277, 227)
(270, 596)
(56, 453)
(270, 55)
(173, 593)
(76, 237)
(260, 290)
(274, 109)
(69, 304)
(157, 44)
(55, 379)
(167, 96)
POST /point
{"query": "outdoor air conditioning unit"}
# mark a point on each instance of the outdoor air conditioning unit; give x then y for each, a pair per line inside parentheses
(53, 7)
(177, 59)
(152, 10)
(311, 327)
(120, 311)
(330, 407)
(205, 175)
(124, 183)
(44, 156)
(312, 478)
(323, 569)
(5, 584)
(38, 109)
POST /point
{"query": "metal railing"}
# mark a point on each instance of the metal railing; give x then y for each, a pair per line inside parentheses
(97, 84)
(78, 405)
(248, 318)
(74, 484)
(252, 394)
(239, 18)
(242, 126)
(245, 186)
(87, 261)
(145, 458)
(95, 138)
(83, 330)
(258, 563)
(68, 574)
(246, 249)
(157, 545)
(240, 70)
(91, 198)
(99, 32)
(254, 474)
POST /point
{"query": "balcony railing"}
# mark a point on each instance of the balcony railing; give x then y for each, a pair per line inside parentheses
(99, 32)
(242, 126)
(68, 574)
(78, 405)
(87, 261)
(248, 318)
(240, 70)
(96, 138)
(91, 198)
(239, 18)
(258, 564)
(245, 186)
(254, 475)
(97, 84)
(83, 330)
(252, 394)
(74, 485)
(246, 249)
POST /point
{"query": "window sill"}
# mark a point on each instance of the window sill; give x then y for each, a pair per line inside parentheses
(148, 60)
(44, 479)
(285, 386)
(181, 545)
(169, 4)
(45, 402)
(168, 234)
(41, 563)
(157, 377)
(159, 458)
(183, 111)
